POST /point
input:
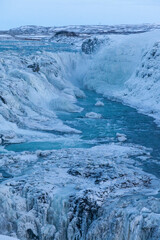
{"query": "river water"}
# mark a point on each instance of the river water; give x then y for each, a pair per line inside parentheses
(116, 118)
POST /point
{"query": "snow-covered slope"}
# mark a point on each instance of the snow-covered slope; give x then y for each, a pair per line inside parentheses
(128, 70)
(39, 32)
(34, 87)
(143, 88)
(85, 29)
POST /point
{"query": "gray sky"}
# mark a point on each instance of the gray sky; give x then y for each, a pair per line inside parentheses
(14, 13)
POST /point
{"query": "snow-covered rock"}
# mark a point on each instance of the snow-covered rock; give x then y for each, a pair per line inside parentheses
(84, 193)
(90, 46)
(32, 88)
(128, 70)
(143, 88)
(90, 29)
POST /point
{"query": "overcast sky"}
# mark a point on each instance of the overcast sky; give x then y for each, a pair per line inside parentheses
(14, 13)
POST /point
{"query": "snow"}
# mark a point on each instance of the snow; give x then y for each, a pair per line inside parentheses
(29, 99)
(6, 36)
(83, 29)
(99, 104)
(121, 137)
(128, 70)
(103, 182)
(143, 88)
(2, 237)
(95, 193)
(123, 69)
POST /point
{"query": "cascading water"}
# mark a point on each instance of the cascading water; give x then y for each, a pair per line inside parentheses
(76, 164)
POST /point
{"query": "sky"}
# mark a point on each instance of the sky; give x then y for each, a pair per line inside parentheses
(15, 13)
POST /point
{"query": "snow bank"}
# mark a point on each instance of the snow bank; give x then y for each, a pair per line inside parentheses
(2, 237)
(143, 88)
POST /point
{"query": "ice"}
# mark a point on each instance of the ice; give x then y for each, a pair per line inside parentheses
(30, 97)
(62, 194)
(97, 193)
(143, 87)
(128, 70)
(121, 137)
(35, 86)
(2, 237)
(93, 115)
(99, 104)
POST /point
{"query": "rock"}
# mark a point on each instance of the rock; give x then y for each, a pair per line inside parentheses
(3, 100)
(74, 172)
(35, 67)
(64, 33)
(46, 205)
(91, 45)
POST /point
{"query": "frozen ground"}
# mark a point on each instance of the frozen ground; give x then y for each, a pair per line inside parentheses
(106, 192)
(42, 32)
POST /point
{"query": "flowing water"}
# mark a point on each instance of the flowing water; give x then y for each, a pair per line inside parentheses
(88, 181)
(116, 118)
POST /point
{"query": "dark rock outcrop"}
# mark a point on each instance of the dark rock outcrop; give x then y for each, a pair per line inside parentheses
(64, 33)
(90, 45)
(35, 67)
